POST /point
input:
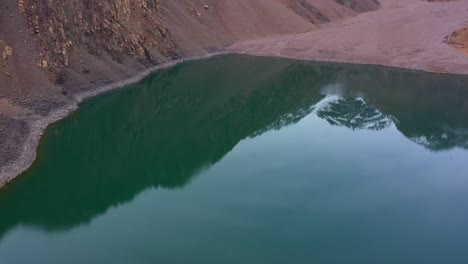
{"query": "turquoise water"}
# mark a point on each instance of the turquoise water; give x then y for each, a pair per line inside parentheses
(242, 159)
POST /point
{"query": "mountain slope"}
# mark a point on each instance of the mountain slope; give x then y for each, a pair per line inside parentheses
(67, 40)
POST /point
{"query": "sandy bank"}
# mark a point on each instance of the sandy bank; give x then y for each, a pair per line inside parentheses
(403, 33)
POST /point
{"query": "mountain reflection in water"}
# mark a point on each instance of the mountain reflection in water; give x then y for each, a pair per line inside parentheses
(163, 131)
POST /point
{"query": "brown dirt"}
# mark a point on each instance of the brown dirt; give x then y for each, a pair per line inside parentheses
(13, 132)
(459, 40)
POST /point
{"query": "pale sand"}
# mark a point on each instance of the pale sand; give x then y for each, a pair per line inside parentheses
(402, 33)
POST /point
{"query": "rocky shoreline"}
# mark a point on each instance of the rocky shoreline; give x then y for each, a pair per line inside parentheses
(37, 124)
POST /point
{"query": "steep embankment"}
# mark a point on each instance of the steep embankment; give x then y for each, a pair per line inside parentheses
(56, 52)
(78, 43)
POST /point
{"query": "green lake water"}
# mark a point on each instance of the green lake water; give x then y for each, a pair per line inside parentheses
(241, 159)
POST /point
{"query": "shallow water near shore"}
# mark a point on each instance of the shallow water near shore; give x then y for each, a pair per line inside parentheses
(241, 159)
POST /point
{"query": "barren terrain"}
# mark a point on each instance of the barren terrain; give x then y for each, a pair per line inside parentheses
(402, 33)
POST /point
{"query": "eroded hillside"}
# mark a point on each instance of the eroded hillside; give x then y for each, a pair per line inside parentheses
(118, 28)
(69, 40)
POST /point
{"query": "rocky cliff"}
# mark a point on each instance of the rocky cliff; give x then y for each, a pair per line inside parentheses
(116, 28)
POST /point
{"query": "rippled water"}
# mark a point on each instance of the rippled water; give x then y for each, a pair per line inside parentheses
(243, 159)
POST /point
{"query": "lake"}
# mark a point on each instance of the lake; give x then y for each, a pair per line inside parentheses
(240, 159)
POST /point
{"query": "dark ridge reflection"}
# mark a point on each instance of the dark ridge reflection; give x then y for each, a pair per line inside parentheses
(182, 120)
(353, 113)
(429, 109)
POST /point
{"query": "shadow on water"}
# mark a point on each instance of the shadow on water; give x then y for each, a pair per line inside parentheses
(160, 133)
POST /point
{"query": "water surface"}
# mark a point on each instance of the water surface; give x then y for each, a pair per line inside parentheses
(241, 159)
